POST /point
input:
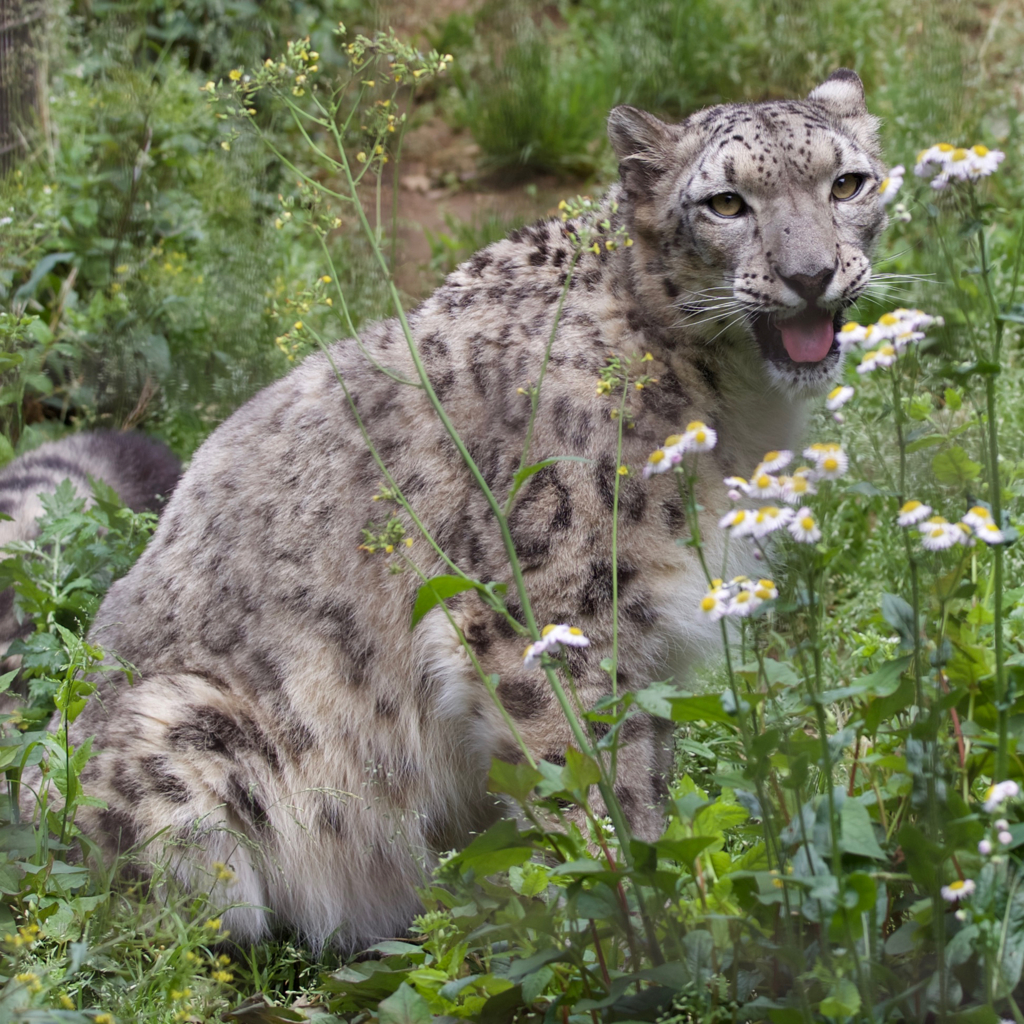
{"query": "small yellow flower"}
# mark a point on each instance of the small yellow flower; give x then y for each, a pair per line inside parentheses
(225, 145)
(361, 157)
(279, 223)
(103, 1018)
(326, 279)
(604, 387)
(408, 542)
(213, 924)
(66, 1001)
(222, 872)
(235, 75)
(623, 471)
(225, 977)
(297, 325)
(179, 994)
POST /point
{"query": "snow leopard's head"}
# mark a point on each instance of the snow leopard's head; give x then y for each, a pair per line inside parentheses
(755, 222)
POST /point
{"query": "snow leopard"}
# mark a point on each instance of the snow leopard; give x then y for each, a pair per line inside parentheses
(286, 731)
(142, 470)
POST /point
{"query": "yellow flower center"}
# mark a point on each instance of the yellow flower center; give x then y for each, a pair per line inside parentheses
(575, 631)
(656, 457)
(546, 630)
(910, 506)
(696, 425)
(957, 885)
(763, 481)
(834, 393)
(743, 597)
(980, 150)
(959, 154)
(674, 439)
(851, 326)
(945, 147)
(807, 523)
(884, 185)
(888, 319)
(708, 604)
(716, 583)
(979, 511)
(831, 464)
(700, 437)
(766, 583)
(770, 456)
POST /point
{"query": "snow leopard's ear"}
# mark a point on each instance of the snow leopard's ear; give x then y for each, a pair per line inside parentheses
(641, 142)
(842, 95)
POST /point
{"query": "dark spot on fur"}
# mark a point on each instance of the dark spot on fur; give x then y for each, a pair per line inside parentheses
(163, 781)
(522, 698)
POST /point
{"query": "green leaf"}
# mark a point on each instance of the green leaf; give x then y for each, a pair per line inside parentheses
(527, 471)
(842, 1001)
(497, 849)
(928, 441)
(858, 834)
(406, 1006)
(900, 616)
(955, 468)
(436, 590)
(517, 780)
(581, 771)
(665, 702)
(684, 851)
(39, 271)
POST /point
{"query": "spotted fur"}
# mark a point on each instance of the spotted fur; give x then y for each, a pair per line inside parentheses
(284, 719)
(141, 470)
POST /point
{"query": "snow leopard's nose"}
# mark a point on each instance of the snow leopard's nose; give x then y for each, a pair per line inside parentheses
(810, 287)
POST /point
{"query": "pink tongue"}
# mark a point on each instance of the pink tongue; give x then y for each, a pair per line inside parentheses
(808, 340)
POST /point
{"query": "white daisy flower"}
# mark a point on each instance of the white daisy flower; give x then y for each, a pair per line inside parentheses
(713, 604)
(990, 534)
(766, 590)
(739, 522)
(737, 487)
(901, 341)
(744, 602)
(831, 462)
(937, 534)
(763, 486)
(965, 535)
(661, 461)
(699, 437)
(804, 527)
(996, 795)
(769, 519)
(797, 487)
(932, 159)
(958, 890)
(551, 639)
(913, 512)
(884, 356)
(838, 397)
(773, 461)
(851, 334)
(977, 516)
(891, 184)
(985, 160)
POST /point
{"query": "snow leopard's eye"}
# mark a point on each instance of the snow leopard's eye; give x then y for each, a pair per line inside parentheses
(727, 204)
(846, 186)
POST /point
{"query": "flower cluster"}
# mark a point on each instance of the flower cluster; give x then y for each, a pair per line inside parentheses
(891, 184)
(698, 437)
(955, 163)
(738, 598)
(551, 640)
(890, 334)
(937, 533)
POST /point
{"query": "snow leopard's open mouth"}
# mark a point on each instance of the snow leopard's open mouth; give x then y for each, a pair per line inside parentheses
(809, 338)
